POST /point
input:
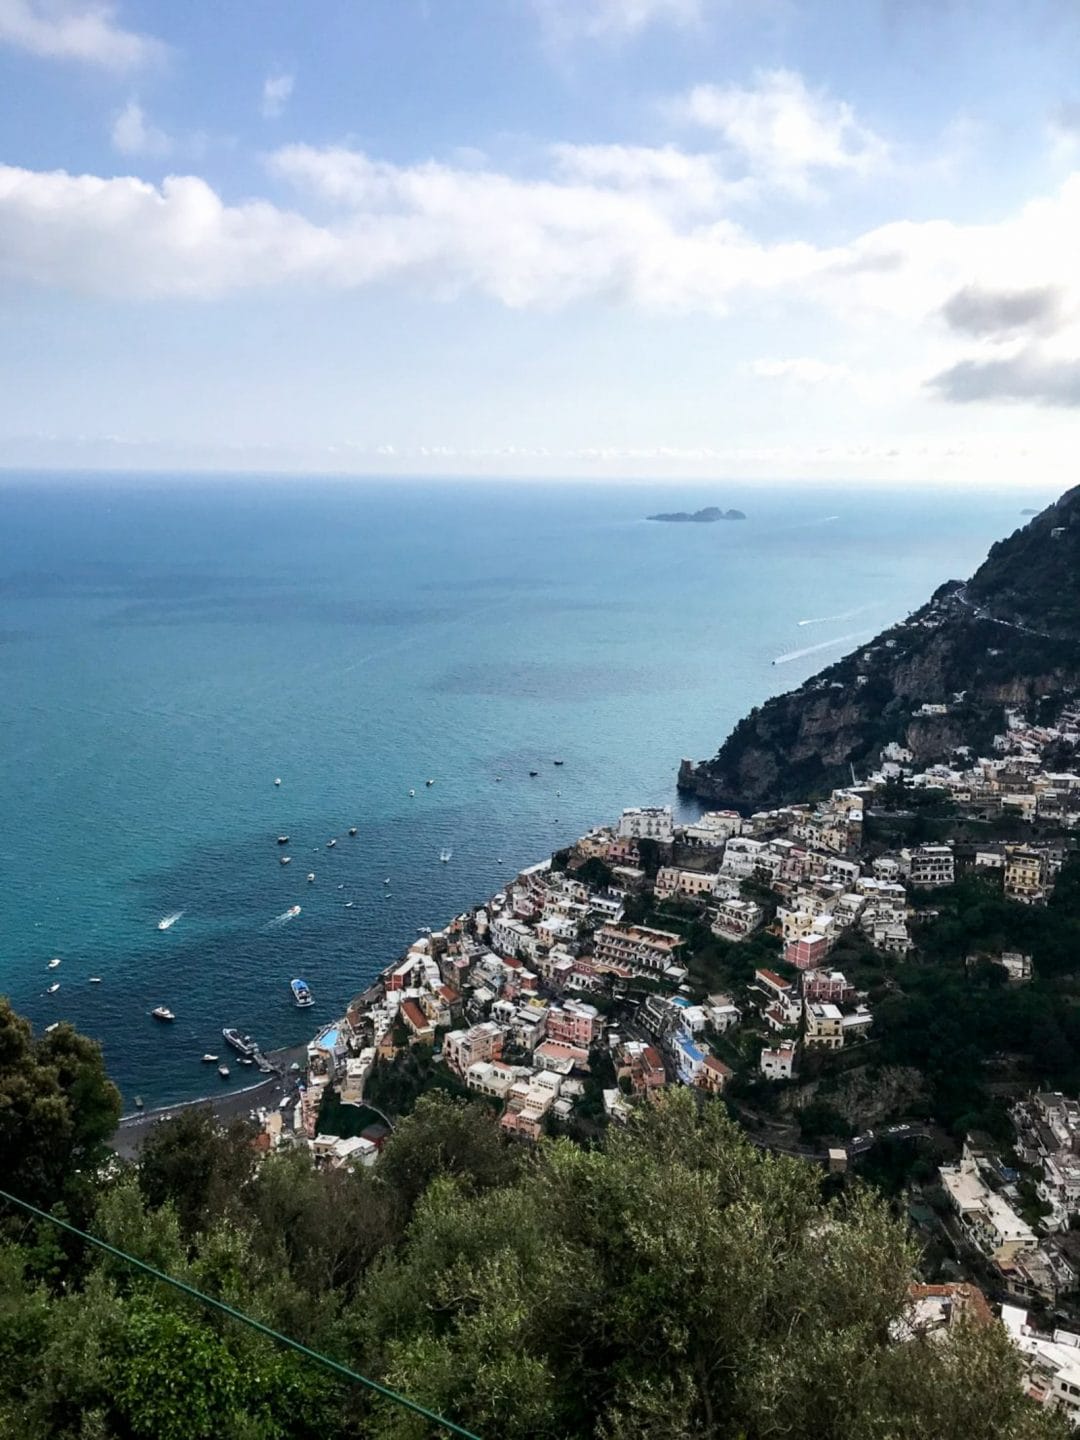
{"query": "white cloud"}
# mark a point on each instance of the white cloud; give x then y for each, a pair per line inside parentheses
(132, 134)
(276, 92)
(70, 30)
(783, 131)
(568, 20)
(803, 370)
(635, 226)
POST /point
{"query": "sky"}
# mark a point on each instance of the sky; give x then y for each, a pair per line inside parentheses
(689, 239)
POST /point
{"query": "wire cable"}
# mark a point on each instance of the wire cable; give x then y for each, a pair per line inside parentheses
(249, 1320)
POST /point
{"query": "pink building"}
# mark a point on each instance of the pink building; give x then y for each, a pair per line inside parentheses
(808, 951)
(575, 1022)
(828, 985)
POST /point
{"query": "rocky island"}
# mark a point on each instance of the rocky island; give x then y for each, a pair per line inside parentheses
(708, 516)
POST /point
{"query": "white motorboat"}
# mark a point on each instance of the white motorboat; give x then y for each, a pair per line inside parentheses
(162, 1012)
(95, 979)
(311, 877)
(53, 963)
(285, 860)
(209, 1059)
(277, 780)
(169, 920)
(53, 988)
(223, 1070)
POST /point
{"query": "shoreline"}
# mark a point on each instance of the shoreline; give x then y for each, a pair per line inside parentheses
(132, 1129)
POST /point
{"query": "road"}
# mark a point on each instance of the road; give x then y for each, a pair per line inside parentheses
(982, 614)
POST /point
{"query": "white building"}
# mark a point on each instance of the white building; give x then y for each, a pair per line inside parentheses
(646, 822)
(1052, 1363)
(778, 1064)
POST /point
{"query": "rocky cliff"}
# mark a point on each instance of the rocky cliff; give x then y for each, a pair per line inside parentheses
(1008, 636)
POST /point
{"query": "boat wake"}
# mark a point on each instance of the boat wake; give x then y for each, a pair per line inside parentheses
(844, 614)
(284, 918)
(813, 649)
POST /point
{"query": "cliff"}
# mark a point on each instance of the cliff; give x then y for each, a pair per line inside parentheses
(1009, 636)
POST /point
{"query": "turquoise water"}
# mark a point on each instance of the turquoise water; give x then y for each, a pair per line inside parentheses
(168, 648)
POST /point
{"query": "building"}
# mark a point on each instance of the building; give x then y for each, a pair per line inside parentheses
(988, 1220)
(491, 1077)
(462, 1048)
(1052, 1363)
(735, 919)
(641, 1065)
(824, 1025)
(528, 1101)
(714, 1075)
(831, 985)
(574, 1021)
(778, 1064)
(637, 946)
(808, 951)
(931, 866)
(712, 829)
(646, 822)
(1024, 873)
(418, 1024)
(685, 884)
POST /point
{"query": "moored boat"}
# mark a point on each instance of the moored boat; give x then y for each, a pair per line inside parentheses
(223, 1071)
(209, 1059)
(243, 1043)
(285, 860)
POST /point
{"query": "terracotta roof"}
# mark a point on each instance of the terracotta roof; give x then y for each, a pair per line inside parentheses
(711, 1063)
(414, 1015)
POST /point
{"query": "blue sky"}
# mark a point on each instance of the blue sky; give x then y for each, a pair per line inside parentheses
(685, 238)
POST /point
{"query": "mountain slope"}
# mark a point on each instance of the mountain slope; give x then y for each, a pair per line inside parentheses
(1009, 636)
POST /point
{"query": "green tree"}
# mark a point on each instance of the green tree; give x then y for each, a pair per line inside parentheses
(57, 1108)
(197, 1165)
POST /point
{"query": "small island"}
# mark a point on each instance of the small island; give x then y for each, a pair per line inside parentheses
(708, 516)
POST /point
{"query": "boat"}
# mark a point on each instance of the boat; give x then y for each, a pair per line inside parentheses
(162, 1012)
(283, 839)
(302, 994)
(444, 855)
(285, 860)
(246, 1060)
(53, 963)
(534, 773)
(348, 904)
(243, 1043)
(411, 794)
(53, 988)
(95, 979)
(429, 783)
(223, 1071)
(209, 1059)
(277, 780)
(138, 1102)
(387, 880)
(352, 829)
(293, 911)
(330, 844)
(311, 877)
(556, 762)
(169, 920)
(50, 1028)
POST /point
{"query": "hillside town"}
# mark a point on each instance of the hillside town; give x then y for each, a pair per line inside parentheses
(580, 991)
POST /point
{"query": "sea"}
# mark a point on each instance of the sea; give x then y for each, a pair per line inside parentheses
(171, 647)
